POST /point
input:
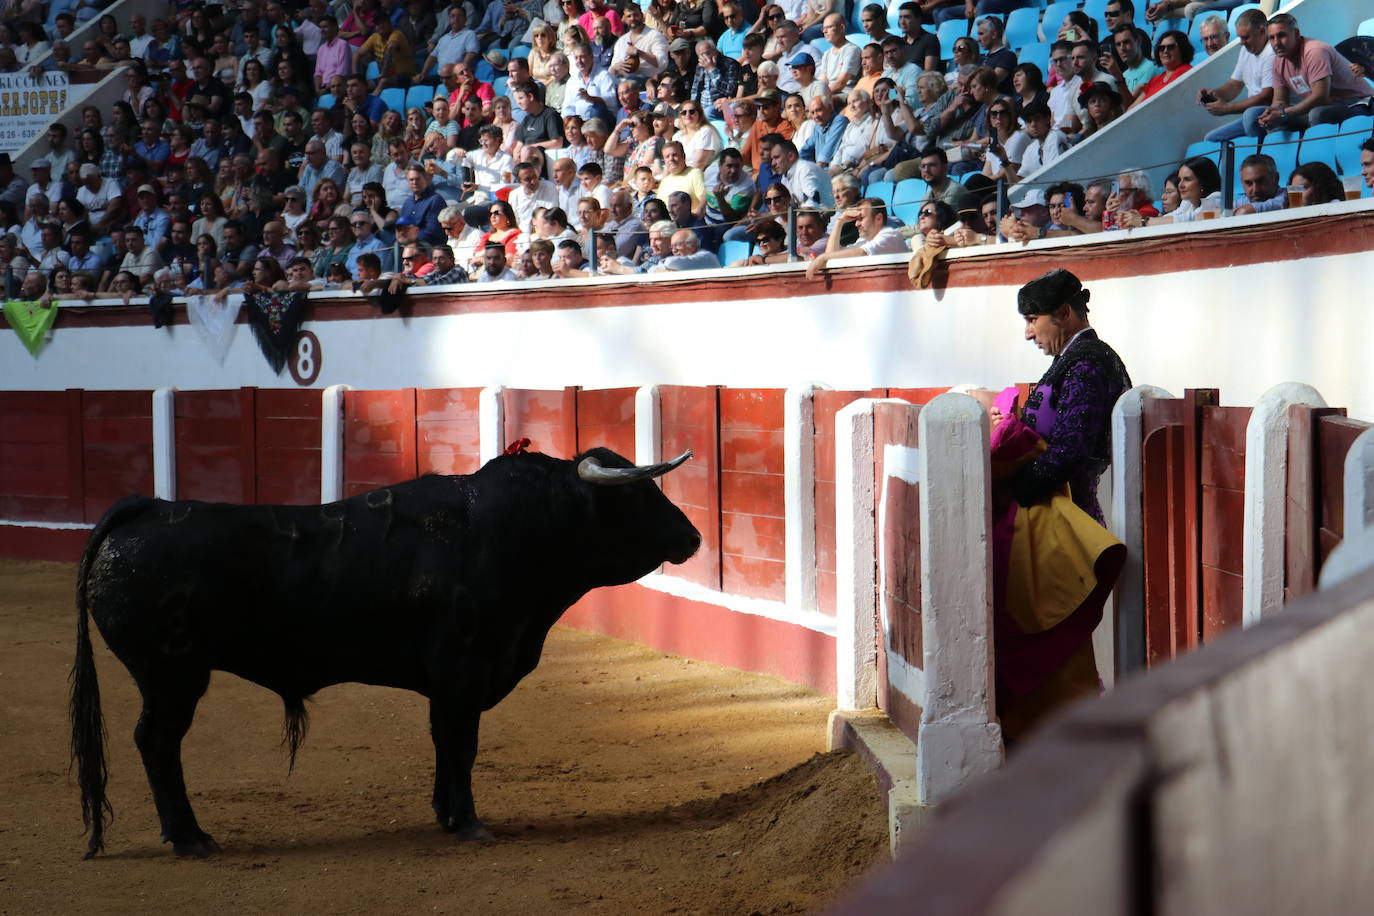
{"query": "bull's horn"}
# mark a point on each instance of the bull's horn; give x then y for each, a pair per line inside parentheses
(590, 470)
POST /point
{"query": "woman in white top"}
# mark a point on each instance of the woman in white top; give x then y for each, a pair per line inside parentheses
(255, 83)
(1199, 186)
(491, 166)
(294, 214)
(699, 139)
(212, 220)
(864, 139)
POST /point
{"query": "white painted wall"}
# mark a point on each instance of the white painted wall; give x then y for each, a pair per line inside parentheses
(1242, 330)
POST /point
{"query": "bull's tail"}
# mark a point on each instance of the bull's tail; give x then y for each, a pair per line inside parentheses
(295, 723)
(88, 724)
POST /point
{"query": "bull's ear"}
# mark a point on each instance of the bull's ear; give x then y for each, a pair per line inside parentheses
(592, 471)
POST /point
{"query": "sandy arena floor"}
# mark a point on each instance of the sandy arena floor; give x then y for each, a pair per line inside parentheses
(617, 780)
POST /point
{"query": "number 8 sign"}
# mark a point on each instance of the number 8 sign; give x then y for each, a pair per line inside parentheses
(307, 360)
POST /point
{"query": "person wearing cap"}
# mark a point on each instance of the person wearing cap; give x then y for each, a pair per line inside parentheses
(43, 182)
(803, 67)
(787, 41)
(682, 61)
(1046, 143)
(151, 218)
(770, 121)
(1059, 444)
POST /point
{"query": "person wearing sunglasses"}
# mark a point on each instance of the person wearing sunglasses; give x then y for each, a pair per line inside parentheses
(875, 236)
(1174, 53)
(770, 247)
(1064, 84)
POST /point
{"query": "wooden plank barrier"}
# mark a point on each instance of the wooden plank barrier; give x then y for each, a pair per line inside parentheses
(691, 420)
(116, 448)
(752, 535)
(547, 418)
(40, 456)
(215, 434)
(288, 442)
(379, 439)
(447, 430)
(606, 418)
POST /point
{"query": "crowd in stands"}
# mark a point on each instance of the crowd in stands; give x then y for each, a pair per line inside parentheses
(389, 144)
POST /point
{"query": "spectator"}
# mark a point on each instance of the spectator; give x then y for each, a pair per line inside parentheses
(996, 54)
(840, 65)
(1173, 53)
(52, 256)
(687, 254)
(154, 221)
(819, 139)
(770, 242)
(1213, 32)
(678, 176)
(388, 48)
(591, 89)
(423, 206)
(1312, 82)
(1132, 198)
(876, 237)
(1252, 75)
(1199, 189)
(660, 247)
(1102, 104)
(100, 196)
(365, 240)
(922, 47)
(1127, 64)
(1259, 177)
(494, 267)
(542, 126)
(333, 57)
(141, 260)
(1064, 92)
(82, 257)
(265, 275)
(274, 244)
(445, 271)
(1317, 183)
(565, 184)
(807, 182)
(540, 253)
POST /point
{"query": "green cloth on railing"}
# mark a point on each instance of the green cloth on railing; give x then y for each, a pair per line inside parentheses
(31, 321)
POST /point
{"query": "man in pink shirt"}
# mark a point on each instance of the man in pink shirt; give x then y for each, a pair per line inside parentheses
(596, 8)
(334, 57)
(1313, 83)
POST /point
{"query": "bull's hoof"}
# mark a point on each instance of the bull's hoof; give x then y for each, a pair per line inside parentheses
(200, 847)
(468, 831)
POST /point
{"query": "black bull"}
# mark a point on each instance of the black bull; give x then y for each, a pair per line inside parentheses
(442, 585)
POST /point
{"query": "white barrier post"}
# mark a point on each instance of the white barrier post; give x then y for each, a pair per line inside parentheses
(332, 443)
(491, 424)
(1355, 552)
(799, 497)
(1128, 523)
(1266, 485)
(856, 674)
(164, 443)
(648, 426)
(959, 738)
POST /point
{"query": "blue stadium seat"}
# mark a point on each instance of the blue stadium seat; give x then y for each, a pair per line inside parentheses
(894, 10)
(325, 101)
(1320, 143)
(1054, 17)
(1038, 53)
(1199, 51)
(948, 31)
(720, 127)
(1095, 9)
(730, 252)
(1023, 27)
(907, 198)
(1203, 148)
(416, 96)
(484, 71)
(518, 51)
(1245, 147)
(883, 190)
(498, 85)
(394, 99)
(373, 71)
(1282, 146)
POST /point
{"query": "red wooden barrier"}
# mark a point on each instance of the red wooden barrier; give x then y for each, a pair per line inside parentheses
(824, 406)
(216, 453)
(691, 419)
(448, 430)
(40, 456)
(753, 539)
(288, 446)
(1318, 440)
(606, 418)
(547, 418)
(116, 448)
(1222, 520)
(379, 439)
(897, 508)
